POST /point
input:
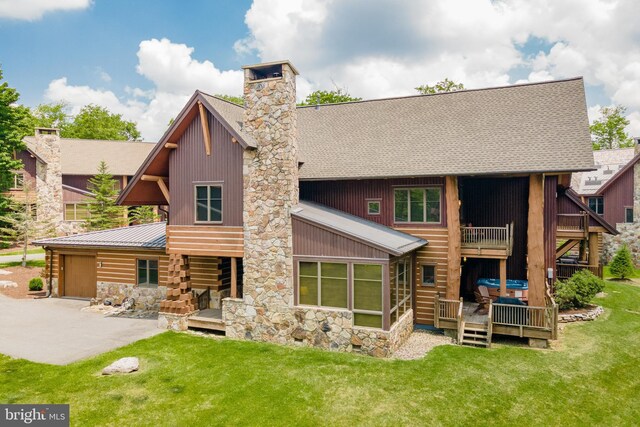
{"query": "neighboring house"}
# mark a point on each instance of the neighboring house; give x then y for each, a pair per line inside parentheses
(613, 191)
(57, 170)
(343, 226)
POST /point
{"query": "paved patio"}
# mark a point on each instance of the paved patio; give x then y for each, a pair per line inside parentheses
(56, 331)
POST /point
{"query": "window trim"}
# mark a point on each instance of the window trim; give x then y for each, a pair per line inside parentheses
(14, 184)
(599, 204)
(424, 200)
(319, 284)
(369, 202)
(627, 209)
(435, 274)
(75, 211)
(195, 201)
(407, 261)
(147, 285)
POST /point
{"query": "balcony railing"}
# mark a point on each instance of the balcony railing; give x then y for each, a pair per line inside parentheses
(578, 222)
(447, 309)
(487, 237)
(564, 271)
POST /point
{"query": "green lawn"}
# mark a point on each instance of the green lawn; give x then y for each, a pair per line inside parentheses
(606, 272)
(20, 252)
(34, 263)
(591, 378)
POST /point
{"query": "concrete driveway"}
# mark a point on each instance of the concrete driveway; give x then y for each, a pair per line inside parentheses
(55, 331)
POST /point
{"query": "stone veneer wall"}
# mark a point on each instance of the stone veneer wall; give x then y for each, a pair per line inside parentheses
(314, 327)
(146, 298)
(49, 182)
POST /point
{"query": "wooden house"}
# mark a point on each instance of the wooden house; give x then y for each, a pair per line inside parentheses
(344, 226)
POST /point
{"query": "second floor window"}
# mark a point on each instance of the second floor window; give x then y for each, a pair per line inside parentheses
(597, 205)
(418, 205)
(208, 203)
(628, 215)
(76, 211)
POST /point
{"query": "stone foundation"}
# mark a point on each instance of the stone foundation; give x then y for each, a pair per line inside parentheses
(174, 322)
(312, 327)
(629, 235)
(146, 298)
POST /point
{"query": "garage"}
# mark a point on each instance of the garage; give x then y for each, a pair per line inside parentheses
(79, 276)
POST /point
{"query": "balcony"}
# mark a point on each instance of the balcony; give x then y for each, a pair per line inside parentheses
(573, 226)
(487, 242)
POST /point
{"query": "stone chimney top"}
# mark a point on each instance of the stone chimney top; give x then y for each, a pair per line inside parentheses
(267, 70)
(47, 131)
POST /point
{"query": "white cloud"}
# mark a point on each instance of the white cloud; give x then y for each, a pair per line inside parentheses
(31, 10)
(175, 75)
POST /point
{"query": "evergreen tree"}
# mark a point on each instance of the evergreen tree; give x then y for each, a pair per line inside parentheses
(622, 264)
(103, 211)
(143, 215)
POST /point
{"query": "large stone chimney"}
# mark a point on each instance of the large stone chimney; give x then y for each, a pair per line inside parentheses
(270, 174)
(49, 179)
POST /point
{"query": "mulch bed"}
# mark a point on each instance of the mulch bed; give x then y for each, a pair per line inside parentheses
(22, 275)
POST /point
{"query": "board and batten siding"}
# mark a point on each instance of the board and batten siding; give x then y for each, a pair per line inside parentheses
(351, 196)
(189, 164)
(550, 221)
(617, 197)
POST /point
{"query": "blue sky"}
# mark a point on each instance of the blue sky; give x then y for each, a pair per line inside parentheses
(144, 58)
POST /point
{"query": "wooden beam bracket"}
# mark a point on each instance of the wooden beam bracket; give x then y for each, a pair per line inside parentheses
(205, 128)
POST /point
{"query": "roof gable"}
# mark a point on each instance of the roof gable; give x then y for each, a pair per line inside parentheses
(571, 195)
(622, 171)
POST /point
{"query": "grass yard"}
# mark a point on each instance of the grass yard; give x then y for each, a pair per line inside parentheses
(606, 272)
(591, 378)
(8, 252)
(32, 263)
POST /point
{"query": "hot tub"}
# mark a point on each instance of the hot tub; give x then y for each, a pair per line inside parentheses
(515, 288)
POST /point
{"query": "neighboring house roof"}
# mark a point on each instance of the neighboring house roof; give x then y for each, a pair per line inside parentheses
(536, 127)
(608, 163)
(82, 156)
(145, 236)
(628, 166)
(77, 190)
(574, 197)
(387, 239)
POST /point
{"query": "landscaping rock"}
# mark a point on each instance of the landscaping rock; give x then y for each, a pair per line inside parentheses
(5, 272)
(420, 343)
(122, 366)
(590, 314)
(8, 284)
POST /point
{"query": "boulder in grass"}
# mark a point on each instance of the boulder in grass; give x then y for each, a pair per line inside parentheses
(122, 366)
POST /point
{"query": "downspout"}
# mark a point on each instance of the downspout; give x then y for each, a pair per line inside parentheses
(50, 285)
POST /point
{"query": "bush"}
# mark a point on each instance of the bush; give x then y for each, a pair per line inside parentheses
(622, 264)
(35, 284)
(578, 291)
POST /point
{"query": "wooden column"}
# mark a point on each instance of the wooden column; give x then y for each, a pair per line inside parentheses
(535, 241)
(453, 234)
(234, 278)
(179, 297)
(594, 250)
(503, 277)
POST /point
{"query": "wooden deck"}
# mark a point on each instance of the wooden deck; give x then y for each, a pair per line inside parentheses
(210, 319)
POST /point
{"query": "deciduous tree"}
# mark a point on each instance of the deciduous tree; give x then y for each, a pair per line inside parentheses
(445, 85)
(329, 97)
(95, 122)
(608, 131)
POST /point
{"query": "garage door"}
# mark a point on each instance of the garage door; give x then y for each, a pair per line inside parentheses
(79, 276)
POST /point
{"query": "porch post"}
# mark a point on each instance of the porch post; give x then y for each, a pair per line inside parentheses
(234, 278)
(535, 241)
(453, 233)
(179, 298)
(594, 251)
(503, 277)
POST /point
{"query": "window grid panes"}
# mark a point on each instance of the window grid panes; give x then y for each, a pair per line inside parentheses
(596, 204)
(417, 205)
(367, 295)
(208, 203)
(147, 272)
(628, 215)
(428, 275)
(76, 211)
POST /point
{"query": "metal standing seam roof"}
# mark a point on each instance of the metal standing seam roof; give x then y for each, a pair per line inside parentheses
(83, 156)
(144, 236)
(380, 236)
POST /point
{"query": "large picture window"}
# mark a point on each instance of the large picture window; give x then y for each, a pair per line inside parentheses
(328, 284)
(417, 205)
(147, 272)
(76, 211)
(208, 203)
(597, 205)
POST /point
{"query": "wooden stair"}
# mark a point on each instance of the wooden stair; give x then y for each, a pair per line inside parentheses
(209, 319)
(475, 335)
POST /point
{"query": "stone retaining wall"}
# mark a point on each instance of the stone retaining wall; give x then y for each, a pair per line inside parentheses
(146, 298)
(591, 314)
(174, 322)
(312, 327)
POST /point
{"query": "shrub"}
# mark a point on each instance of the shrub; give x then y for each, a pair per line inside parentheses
(35, 284)
(622, 264)
(579, 290)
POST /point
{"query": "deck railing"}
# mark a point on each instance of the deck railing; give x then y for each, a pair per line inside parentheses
(524, 316)
(447, 309)
(564, 271)
(574, 222)
(487, 237)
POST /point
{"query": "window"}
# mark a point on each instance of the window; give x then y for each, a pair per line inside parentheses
(417, 205)
(596, 204)
(428, 275)
(367, 295)
(76, 211)
(147, 272)
(327, 284)
(373, 207)
(208, 203)
(628, 214)
(400, 289)
(323, 284)
(17, 181)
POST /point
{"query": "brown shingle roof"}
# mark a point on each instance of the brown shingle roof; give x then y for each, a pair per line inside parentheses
(82, 156)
